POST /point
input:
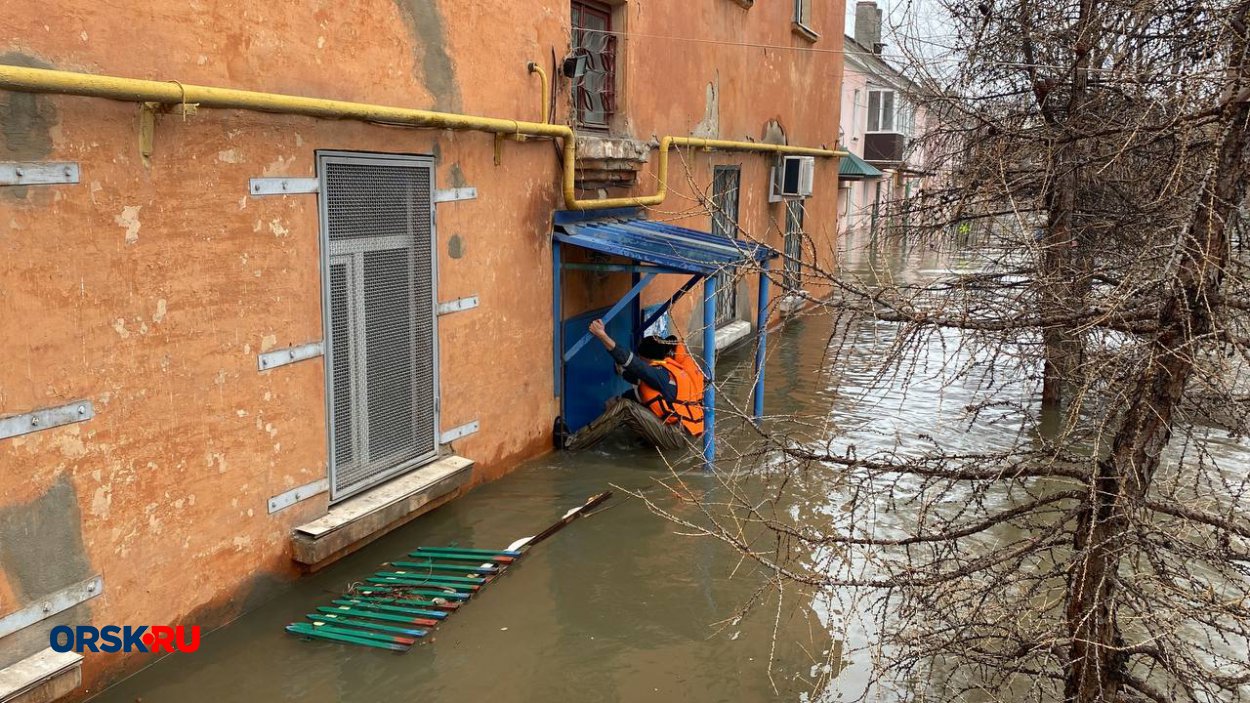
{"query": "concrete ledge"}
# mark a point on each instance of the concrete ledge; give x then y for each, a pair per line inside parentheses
(804, 31)
(357, 521)
(597, 148)
(41, 678)
(732, 333)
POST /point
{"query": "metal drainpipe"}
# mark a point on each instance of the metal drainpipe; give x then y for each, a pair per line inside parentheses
(41, 80)
(709, 366)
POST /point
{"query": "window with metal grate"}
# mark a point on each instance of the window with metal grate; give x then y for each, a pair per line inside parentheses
(594, 45)
(725, 186)
(377, 224)
(792, 278)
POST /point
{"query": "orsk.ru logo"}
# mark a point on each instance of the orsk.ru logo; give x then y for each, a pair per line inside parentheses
(128, 638)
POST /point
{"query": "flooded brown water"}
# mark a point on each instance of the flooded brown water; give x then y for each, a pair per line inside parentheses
(621, 606)
(614, 608)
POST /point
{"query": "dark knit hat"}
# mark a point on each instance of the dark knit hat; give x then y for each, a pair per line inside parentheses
(654, 348)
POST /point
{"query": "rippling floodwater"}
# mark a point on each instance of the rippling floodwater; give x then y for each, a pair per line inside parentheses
(622, 606)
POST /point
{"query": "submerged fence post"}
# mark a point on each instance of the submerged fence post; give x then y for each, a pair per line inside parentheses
(761, 343)
(709, 365)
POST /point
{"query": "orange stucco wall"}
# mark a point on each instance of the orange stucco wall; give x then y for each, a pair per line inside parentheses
(150, 290)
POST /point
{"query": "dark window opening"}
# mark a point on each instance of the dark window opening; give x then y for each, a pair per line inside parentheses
(725, 186)
(594, 91)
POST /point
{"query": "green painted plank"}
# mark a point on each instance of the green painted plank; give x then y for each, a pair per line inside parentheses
(454, 568)
(468, 550)
(420, 575)
(471, 558)
(422, 553)
(305, 630)
(363, 634)
(436, 614)
(375, 615)
(366, 625)
(411, 602)
(461, 588)
(397, 585)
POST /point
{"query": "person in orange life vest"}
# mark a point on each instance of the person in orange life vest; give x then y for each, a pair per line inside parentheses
(665, 406)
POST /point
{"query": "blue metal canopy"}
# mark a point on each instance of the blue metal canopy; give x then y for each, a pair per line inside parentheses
(653, 248)
(624, 233)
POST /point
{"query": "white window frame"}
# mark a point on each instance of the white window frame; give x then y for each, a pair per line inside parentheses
(855, 111)
(881, 112)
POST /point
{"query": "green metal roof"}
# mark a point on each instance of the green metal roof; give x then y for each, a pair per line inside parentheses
(851, 167)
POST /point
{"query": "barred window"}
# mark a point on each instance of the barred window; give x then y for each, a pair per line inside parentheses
(792, 278)
(725, 185)
(594, 91)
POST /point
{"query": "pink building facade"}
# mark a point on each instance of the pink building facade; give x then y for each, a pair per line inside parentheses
(881, 119)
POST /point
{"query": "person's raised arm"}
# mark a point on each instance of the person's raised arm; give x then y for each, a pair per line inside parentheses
(598, 330)
(635, 368)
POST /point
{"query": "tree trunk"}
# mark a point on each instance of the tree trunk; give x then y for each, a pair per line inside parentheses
(1095, 665)
(1064, 282)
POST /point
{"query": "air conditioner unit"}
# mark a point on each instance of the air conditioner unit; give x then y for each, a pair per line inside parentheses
(793, 179)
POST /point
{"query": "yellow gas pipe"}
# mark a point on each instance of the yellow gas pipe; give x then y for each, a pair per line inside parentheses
(173, 93)
(533, 67)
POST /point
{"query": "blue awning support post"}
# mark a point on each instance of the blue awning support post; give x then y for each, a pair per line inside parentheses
(635, 308)
(652, 248)
(666, 305)
(612, 312)
(761, 322)
(709, 366)
(557, 317)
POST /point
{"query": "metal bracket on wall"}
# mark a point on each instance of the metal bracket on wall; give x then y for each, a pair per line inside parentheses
(147, 124)
(458, 305)
(452, 194)
(147, 131)
(47, 418)
(48, 606)
(457, 432)
(283, 186)
(282, 357)
(499, 137)
(38, 173)
(295, 495)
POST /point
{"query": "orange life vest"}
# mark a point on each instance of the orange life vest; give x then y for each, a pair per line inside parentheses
(688, 410)
(687, 362)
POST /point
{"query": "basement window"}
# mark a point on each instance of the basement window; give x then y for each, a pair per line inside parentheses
(594, 45)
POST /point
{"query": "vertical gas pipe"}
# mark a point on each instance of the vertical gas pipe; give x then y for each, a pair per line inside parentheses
(761, 322)
(709, 365)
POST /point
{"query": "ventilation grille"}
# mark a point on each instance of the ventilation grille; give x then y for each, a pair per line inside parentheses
(342, 369)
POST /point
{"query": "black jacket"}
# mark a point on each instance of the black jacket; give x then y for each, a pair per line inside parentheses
(635, 370)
